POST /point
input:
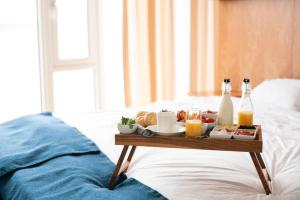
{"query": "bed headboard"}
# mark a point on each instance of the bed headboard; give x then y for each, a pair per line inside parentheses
(258, 39)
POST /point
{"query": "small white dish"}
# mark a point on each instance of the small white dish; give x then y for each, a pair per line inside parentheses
(210, 115)
(220, 133)
(204, 128)
(126, 129)
(245, 137)
(176, 130)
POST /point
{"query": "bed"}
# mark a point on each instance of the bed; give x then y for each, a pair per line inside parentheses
(200, 174)
(181, 173)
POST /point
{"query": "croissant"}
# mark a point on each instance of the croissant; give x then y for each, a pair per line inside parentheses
(141, 113)
(141, 121)
(150, 119)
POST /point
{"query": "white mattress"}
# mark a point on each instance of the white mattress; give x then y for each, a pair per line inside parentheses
(200, 174)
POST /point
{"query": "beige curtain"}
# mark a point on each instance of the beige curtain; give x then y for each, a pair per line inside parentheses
(198, 62)
(148, 43)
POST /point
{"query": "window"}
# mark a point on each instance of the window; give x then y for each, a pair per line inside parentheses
(74, 89)
(72, 29)
(19, 63)
(70, 49)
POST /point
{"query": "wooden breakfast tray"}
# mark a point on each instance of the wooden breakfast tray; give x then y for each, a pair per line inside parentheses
(254, 147)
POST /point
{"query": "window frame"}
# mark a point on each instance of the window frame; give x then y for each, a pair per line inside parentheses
(49, 59)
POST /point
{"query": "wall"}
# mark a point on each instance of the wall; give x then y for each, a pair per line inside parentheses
(258, 39)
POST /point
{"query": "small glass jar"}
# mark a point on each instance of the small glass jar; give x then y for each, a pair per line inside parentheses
(245, 112)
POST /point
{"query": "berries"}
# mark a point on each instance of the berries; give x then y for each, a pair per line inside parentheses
(245, 132)
(207, 120)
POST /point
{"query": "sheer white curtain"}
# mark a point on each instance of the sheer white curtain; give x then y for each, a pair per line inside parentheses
(111, 53)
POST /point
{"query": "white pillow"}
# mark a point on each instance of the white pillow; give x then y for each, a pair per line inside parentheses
(284, 93)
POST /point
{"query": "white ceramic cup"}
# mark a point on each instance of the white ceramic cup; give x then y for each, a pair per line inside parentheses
(166, 121)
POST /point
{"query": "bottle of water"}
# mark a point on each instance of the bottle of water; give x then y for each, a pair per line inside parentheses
(225, 115)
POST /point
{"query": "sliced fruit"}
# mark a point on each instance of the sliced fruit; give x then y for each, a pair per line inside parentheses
(181, 115)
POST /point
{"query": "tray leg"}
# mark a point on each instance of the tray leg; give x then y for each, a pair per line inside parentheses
(119, 167)
(126, 164)
(262, 164)
(260, 172)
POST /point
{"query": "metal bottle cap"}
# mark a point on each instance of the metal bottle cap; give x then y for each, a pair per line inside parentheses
(246, 80)
(226, 80)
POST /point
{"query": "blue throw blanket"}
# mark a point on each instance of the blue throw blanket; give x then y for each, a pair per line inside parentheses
(43, 158)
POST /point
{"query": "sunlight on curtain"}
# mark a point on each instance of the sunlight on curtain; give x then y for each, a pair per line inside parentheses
(166, 49)
(149, 51)
(19, 67)
(202, 65)
(138, 49)
(210, 86)
(111, 53)
(182, 33)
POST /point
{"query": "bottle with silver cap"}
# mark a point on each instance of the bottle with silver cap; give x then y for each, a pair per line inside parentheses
(245, 112)
(225, 115)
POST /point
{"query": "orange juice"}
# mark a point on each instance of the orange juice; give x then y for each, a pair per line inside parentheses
(245, 118)
(193, 128)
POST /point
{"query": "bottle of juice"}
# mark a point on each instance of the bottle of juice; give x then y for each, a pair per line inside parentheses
(225, 115)
(245, 112)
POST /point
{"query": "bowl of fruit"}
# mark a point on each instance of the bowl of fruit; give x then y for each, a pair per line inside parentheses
(210, 121)
(210, 114)
(127, 125)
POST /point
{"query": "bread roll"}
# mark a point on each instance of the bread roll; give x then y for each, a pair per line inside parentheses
(150, 119)
(141, 121)
(141, 114)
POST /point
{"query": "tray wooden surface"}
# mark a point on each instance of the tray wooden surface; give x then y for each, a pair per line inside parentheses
(180, 141)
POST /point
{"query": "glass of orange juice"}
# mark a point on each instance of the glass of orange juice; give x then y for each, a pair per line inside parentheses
(193, 124)
(245, 118)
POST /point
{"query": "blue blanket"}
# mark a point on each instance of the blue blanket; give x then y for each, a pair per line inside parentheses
(43, 158)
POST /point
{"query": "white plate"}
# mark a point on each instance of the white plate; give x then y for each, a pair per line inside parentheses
(180, 123)
(177, 130)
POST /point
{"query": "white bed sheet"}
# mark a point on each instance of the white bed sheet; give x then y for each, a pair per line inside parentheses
(200, 174)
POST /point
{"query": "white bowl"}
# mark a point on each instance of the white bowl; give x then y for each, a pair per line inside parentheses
(204, 128)
(126, 129)
(210, 126)
(211, 115)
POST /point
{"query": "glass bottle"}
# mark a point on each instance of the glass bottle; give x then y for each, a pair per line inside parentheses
(225, 115)
(245, 112)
